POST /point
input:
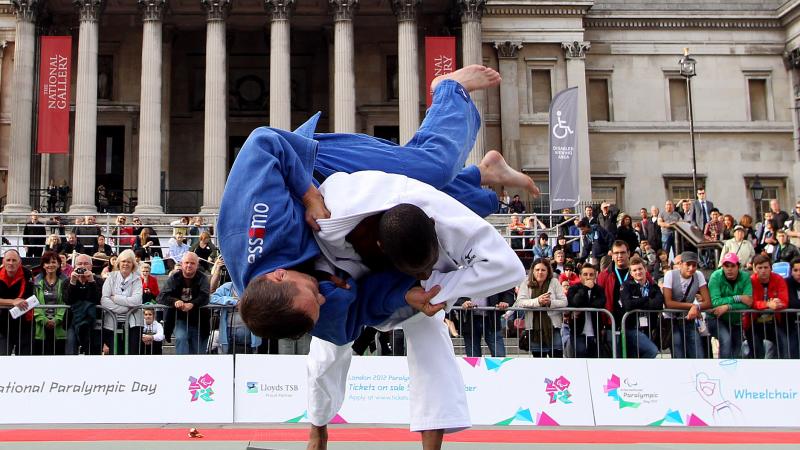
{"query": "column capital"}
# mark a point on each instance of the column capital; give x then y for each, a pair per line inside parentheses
(153, 10)
(216, 9)
(90, 9)
(792, 58)
(405, 10)
(576, 49)
(279, 9)
(26, 10)
(507, 49)
(343, 9)
(471, 10)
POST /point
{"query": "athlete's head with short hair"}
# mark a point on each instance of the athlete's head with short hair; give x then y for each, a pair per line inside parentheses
(286, 303)
(407, 236)
(281, 304)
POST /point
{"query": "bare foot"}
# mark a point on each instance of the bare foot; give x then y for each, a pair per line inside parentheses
(495, 170)
(318, 438)
(473, 78)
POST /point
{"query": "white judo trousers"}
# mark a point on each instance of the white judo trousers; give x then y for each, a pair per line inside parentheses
(474, 261)
(436, 388)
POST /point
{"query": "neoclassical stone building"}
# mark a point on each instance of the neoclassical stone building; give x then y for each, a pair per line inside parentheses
(164, 92)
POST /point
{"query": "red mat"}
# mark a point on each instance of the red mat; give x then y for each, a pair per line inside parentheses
(512, 435)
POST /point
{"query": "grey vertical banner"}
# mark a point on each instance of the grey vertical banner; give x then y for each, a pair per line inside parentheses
(564, 150)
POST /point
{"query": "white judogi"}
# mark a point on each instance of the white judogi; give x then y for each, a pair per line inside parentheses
(474, 261)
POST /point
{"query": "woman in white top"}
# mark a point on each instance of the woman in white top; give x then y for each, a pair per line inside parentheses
(541, 290)
(122, 293)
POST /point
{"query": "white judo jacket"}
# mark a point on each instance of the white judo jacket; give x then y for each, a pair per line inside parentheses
(474, 259)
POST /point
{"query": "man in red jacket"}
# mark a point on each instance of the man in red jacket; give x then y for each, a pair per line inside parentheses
(769, 292)
(613, 279)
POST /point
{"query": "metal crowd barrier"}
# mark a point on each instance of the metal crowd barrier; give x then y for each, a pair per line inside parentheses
(22, 336)
(753, 334)
(508, 332)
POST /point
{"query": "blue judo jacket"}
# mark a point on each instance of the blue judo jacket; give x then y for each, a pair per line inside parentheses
(262, 228)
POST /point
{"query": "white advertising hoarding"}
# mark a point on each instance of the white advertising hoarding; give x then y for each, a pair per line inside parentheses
(116, 389)
(729, 393)
(500, 391)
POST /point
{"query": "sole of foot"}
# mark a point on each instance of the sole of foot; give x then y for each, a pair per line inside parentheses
(472, 78)
(495, 170)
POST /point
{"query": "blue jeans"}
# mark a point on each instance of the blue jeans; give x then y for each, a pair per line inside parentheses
(692, 346)
(637, 343)
(788, 338)
(667, 242)
(487, 325)
(187, 339)
(586, 346)
(758, 333)
(729, 335)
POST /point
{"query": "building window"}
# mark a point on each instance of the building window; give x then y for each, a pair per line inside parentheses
(540, 205)
(757, 91)
(392, 78)
(541, 90)
(678, 101)
(598, 97)
(681, 188)
(608, 190)
(774, 188)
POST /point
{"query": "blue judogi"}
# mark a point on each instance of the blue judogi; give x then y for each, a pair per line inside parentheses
(262, 228)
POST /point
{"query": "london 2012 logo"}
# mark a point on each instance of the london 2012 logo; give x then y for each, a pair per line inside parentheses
(200, 388)
(558, 390)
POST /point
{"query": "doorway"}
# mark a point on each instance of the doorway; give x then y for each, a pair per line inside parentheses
(110, 168)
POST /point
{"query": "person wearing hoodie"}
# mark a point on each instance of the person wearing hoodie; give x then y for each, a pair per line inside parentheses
(586, 325)
(639, 292)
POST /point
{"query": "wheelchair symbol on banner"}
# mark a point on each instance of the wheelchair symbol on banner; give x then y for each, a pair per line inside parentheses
(560, 130)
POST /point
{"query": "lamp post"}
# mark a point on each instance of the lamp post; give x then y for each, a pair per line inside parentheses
(688, 70)
(757, 189)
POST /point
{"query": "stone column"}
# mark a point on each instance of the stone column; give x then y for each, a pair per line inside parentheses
(471, 13)
(85, 144)
(149, 180)
(507, 53)
(280, 94)
(215, 139)
(576, 76)
(19, 165)
(344, 95)
(408, 66)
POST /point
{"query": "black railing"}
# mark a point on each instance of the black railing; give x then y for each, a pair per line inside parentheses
(118, 201)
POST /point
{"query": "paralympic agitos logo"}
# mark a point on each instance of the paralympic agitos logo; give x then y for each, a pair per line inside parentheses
(258, 229)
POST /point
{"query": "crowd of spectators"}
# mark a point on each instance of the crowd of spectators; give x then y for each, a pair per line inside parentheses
(605, 259)
(602, 259)
(100, 295)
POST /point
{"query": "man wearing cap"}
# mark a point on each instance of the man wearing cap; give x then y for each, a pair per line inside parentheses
(738, 245)
(686, 288)
(730, 290)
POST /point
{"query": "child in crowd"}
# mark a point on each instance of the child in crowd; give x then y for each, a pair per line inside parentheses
(152, 334)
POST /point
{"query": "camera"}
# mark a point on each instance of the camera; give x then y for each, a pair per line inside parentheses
(80, 270)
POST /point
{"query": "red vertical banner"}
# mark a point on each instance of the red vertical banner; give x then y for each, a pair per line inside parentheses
(54, 86)
(440, 59)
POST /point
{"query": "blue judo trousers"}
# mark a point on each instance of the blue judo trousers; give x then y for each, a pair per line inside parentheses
(262, 228)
